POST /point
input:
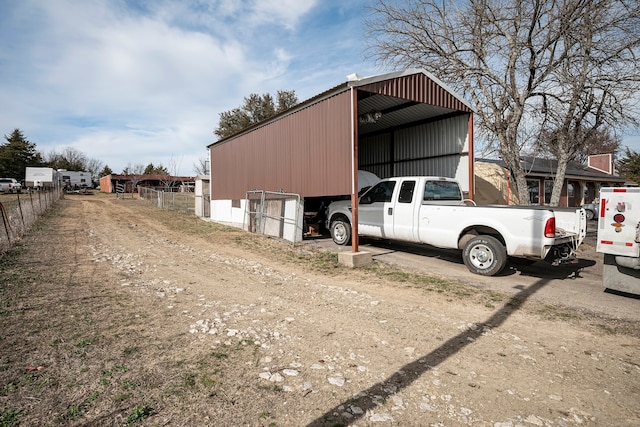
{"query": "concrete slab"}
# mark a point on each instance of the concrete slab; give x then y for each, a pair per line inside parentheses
(355, 259)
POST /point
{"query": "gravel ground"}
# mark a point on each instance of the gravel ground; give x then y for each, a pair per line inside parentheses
(117, 313)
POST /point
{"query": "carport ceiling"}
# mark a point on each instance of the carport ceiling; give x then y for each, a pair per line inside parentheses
(396, 113)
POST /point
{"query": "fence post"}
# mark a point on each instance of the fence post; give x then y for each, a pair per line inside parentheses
(5, 220)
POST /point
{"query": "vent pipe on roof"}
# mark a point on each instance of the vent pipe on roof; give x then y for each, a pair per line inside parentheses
(354, 77)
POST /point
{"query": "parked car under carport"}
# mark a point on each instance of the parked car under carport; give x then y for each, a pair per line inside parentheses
(592, 210)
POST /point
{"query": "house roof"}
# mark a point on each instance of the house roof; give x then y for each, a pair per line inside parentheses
(538, 167)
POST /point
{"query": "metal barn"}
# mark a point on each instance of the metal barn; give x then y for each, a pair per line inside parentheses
(401, 123)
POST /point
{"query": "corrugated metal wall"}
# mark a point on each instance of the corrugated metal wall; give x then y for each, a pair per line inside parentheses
(309, 152)
(427, 149)
(306, 153)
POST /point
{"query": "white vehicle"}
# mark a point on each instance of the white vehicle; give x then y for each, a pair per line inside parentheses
(38, 178)
(431, 210)
(592, 210)
(75, 180)
(10, 185)
(619, 238)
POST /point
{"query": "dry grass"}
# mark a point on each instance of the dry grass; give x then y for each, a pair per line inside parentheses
(77, 349)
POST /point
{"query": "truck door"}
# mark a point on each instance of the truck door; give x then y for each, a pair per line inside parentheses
(373, 210)
(404, 212)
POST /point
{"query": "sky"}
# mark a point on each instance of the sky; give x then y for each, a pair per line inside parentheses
(136, 82)
(132, 82)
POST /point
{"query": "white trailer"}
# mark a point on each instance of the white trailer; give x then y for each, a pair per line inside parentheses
(619, 238)
(75, 180)
(37, 177)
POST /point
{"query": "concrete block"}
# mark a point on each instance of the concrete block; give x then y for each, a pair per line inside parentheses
(355, 259)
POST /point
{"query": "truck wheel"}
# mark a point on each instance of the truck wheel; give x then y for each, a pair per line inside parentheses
(590, 214)
(484, 255)
(341, 232)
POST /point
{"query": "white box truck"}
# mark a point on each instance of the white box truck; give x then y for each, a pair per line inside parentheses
(619, 238)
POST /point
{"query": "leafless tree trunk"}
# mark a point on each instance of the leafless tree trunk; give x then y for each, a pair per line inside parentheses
(201, 167)
(169, 179)
(527, 66)
(135, 175)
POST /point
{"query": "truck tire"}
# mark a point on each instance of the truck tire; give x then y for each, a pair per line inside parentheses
(484, 255)
(590, 214)
(341, 231)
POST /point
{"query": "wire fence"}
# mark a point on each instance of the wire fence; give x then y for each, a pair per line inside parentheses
(20, 211)
(177, 201)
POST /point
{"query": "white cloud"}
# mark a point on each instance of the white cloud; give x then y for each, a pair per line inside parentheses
(145, 83)
(282, 12)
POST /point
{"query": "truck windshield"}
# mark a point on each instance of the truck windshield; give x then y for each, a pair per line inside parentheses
(441, 190)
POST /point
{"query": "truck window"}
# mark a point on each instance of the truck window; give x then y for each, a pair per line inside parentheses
(441, 190)
(381, 192)
(406, 191)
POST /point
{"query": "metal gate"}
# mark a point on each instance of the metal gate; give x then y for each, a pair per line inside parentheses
(274, 214)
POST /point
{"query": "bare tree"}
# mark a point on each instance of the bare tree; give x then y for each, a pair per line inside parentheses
(134, 173)
(598, 142)
(69, 159)
(94, 166)
(201, 166)
(570, 66)
(168, 180)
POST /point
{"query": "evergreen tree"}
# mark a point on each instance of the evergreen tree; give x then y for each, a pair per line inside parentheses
(16, 154)
(155, 170)
(629, 166)
(106, 171)
(255, 109)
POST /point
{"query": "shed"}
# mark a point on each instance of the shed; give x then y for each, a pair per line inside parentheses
(396, 124)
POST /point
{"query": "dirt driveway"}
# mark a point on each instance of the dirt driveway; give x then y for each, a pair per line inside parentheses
(116, 313)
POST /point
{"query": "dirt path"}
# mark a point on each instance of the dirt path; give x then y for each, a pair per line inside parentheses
(119, 313)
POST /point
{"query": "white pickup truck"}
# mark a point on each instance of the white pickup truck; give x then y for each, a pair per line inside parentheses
(431, 210)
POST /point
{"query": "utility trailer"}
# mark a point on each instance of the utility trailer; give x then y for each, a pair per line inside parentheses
(75, 180)
(619, 238)
(40, 178)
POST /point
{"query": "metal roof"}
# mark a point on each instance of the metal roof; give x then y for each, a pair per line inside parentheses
(534, 166)
(395, 111)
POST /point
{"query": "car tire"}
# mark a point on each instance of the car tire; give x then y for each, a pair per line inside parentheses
(485, 255)
(341, 231)
(590, 214)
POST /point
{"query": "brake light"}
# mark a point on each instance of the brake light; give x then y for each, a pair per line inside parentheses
(619, 218)
(550, 228)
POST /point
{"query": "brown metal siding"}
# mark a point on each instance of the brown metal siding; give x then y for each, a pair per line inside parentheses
(306, 153)
(417, 87)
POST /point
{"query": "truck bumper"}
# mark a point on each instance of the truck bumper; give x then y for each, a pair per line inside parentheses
(560, 254)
